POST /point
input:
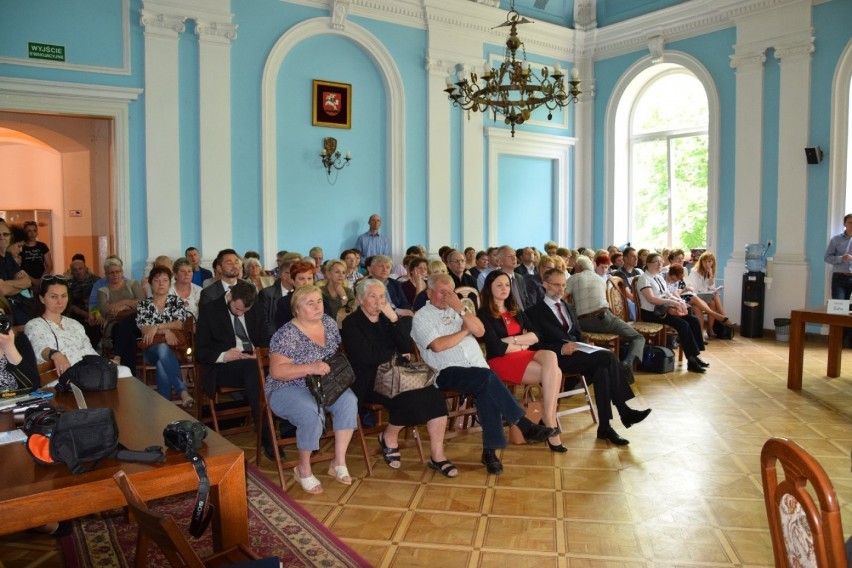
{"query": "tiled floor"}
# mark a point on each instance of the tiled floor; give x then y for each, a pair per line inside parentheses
(685, 492)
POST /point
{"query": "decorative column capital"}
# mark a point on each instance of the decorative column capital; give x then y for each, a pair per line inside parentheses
(440, 67)
(795, 49)
(156, 23)
(744, 61)
(216, 32)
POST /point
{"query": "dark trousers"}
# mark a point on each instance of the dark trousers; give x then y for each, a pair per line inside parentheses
(124, 336)
(602, 369)
(687, 327)
(494, 402)
(841, 289)
(241, 373)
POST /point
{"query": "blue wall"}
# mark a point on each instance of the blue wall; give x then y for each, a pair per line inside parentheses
(525, 197)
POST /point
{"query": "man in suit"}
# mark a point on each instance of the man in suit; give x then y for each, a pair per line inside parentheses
(231, 268)
(228, 331)
(456, 267)
(526, 266)
(559, 331)
(267, 299)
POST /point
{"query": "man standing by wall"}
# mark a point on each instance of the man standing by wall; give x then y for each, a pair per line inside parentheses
(372, 243)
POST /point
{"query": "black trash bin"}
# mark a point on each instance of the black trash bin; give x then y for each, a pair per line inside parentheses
(754, 292)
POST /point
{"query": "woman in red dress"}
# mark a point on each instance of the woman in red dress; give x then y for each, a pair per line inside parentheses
(508, 341)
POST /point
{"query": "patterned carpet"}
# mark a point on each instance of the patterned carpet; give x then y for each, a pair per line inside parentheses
(278, 526)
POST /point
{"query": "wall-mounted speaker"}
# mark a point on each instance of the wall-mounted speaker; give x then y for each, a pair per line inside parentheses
(813, 155)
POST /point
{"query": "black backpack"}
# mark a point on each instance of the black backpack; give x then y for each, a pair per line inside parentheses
(722, 331)
(657, 359)
(91, 373)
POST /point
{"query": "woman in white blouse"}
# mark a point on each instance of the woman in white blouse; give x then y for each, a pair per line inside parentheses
(702, 279)
(55, 337)
(184, 288)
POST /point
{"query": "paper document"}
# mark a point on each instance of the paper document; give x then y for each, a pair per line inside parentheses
(586, 347)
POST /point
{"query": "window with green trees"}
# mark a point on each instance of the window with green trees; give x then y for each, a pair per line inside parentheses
(667, 198)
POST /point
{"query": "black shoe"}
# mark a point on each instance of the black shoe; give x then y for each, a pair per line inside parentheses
(701, 362)
(492, 462)
(634, 417)
(627, 372)
(560, 449)
(612, 436)
(270, 453)
(535, 433)
(695, 366)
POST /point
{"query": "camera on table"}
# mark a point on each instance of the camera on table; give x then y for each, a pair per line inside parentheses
(5, 323)
(184, 435)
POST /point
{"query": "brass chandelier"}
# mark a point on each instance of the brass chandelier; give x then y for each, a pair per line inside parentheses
(514, 90)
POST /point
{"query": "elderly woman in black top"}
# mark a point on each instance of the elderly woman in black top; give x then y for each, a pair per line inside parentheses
(372, 335)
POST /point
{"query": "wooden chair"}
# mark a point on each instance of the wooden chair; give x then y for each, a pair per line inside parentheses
(165, 533)
(381, 423)
(47, 372)
(618, 306)
(804, 532)
(262, 354)
(236, 412)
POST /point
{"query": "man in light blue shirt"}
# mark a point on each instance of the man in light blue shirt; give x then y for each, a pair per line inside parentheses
(372, 243)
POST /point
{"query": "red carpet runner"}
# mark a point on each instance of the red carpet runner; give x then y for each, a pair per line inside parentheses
(278, 526)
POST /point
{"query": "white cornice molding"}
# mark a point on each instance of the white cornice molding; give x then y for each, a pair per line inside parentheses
(217, 32)
(69, 91)
(208, 10)
(157, 23)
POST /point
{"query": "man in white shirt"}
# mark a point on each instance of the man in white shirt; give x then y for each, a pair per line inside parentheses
(445, 333)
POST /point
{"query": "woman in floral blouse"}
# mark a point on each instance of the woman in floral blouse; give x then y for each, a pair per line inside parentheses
(162, 315)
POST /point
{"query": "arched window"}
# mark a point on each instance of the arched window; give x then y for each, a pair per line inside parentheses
(668, 162)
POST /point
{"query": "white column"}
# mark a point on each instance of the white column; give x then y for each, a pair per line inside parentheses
(473, 182)
(747, 169)
(214, 67)
(790, 268)
(162, 133)
(438, 156)
(584, 130)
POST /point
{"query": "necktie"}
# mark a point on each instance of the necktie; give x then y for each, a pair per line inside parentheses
(241, 334)
(565, 326)
(515, 292)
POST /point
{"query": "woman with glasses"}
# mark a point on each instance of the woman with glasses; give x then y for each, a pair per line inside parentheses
(54, 336)
(14, 282)
(161, 317)
(660, 306)
(509, 340)
(117, 303)
(296, 350)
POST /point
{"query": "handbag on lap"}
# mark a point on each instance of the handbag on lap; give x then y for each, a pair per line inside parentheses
(328, 388)
(399, 374)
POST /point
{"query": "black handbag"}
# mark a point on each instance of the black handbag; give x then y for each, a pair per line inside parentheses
(328, 388)
(91, 373)
(399, 374)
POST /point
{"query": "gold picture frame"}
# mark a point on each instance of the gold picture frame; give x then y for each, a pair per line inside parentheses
(332, 104)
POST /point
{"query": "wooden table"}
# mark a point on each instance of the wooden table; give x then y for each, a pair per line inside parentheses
(32, 495)
(798, 320)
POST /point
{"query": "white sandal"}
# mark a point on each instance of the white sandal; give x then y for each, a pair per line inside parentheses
(309, 484)
(340, 473)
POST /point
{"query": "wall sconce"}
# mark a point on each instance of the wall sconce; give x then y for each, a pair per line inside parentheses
(330, 157)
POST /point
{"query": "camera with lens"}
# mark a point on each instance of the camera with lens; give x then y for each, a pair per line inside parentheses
(184, 435)
(5, 323)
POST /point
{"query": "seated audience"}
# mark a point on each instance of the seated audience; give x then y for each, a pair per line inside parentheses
(526, 266)
(469, 258)
(337, 291)
(302, 274)
(702, 279)
(445, 333)
(230, 268)
(317, 254)
(184, 288)
(100, 283)
(416, 282)
(435, 267)
(372, 335)
(161, 260)
(58, 338)
(535, 287)
(509, 339)
(117, 303)
(400, 271)
(80, 285)
(480, 265)
(255, 274)
(296, 350)
(659, 306)
(267, 299)
(677, 287)
(642, 256)
(14, 281)
(354, 272)
(380, 269)
(162, 315)
(560, 331)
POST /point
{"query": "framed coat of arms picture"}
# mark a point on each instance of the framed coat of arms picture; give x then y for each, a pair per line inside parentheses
(332, 104)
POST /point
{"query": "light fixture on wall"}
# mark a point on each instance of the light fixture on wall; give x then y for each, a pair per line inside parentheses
(514, 90)
(330, 157)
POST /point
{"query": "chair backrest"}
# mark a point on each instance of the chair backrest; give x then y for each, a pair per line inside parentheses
(469, 296)
(47, 372)
(634, 287)
(159, 528)
(615, 299)
(804, 532)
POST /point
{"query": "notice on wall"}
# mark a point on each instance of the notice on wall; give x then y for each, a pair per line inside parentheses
(46, 51)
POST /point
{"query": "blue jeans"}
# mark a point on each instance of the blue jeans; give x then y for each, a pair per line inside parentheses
(168, 369)
(493, 401)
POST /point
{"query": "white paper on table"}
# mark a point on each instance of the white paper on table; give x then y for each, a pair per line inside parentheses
(12, 436)
(586, 347)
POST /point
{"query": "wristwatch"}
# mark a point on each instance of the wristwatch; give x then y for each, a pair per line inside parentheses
(465, 310)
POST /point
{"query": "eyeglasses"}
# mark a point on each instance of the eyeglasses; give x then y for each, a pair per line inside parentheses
(5, 235)
(52, 277)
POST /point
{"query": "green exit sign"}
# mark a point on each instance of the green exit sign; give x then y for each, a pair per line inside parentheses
(46, 51)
